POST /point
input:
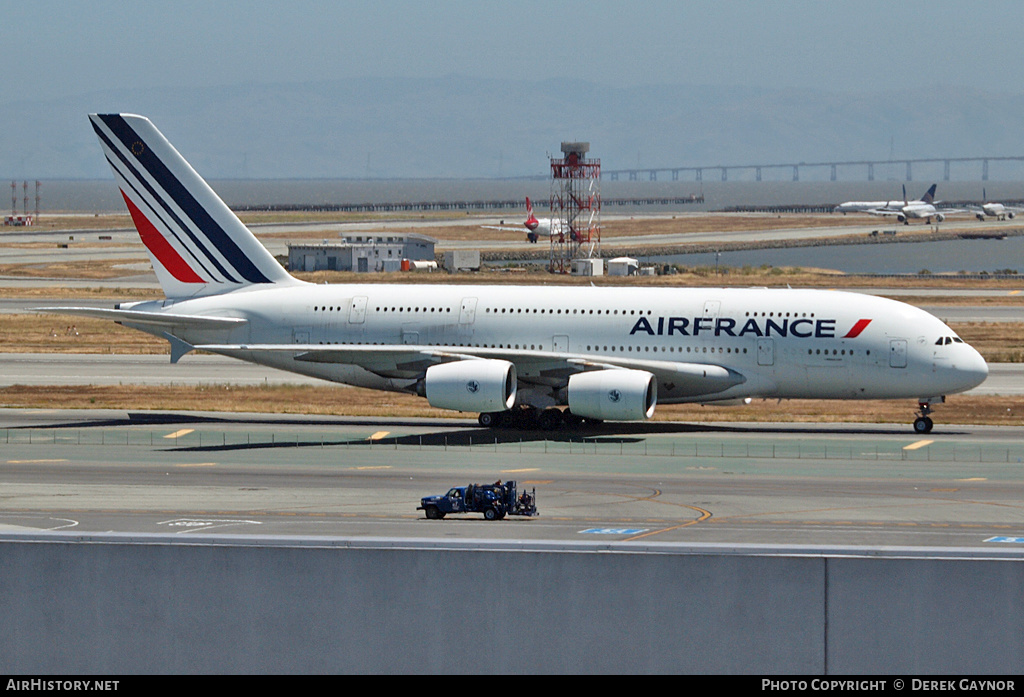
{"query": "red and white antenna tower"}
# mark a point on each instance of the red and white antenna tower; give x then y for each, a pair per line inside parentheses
(575, 207)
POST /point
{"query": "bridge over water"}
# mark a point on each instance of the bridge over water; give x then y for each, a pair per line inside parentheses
(867, 166)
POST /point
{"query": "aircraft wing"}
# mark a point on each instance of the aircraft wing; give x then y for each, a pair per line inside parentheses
(506, 228)
(536, 367)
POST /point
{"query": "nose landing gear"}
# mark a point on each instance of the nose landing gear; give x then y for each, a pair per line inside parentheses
(923, 423)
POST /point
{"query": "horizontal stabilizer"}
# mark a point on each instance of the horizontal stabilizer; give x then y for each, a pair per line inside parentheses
(153, 319)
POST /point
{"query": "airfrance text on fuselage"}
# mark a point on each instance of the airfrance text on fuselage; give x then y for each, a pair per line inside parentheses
(802, 328)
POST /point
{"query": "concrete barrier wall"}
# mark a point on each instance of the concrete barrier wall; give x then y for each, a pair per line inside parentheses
(162, 606)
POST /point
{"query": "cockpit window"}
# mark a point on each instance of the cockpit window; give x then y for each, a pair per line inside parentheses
(945, 340)
(958, 340)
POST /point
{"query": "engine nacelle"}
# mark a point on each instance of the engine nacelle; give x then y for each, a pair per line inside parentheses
(939, 217)
(1010, 215)
(615, 395)
(471, 385)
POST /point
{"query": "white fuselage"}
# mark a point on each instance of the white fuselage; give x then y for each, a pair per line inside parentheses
(785, 343)
(905, 209)
(997, 210)
(919, 210)
(862, 206)
(545, 227)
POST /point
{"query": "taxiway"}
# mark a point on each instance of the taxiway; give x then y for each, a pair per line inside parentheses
(771, 484)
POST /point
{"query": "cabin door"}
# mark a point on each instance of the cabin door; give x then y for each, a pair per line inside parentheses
(467, 314)
(898, 353)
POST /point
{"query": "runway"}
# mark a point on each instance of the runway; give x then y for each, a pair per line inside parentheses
(769, 484)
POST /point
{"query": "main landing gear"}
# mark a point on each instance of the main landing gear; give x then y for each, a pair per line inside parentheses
(923, 423)
(527, 418)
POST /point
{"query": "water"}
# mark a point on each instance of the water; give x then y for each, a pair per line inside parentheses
(941, 256)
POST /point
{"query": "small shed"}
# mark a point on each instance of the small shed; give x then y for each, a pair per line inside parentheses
(588, 267)
(623, 266)
(362, 253)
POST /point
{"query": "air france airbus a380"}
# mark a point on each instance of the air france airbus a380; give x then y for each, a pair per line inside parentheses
(514, 355)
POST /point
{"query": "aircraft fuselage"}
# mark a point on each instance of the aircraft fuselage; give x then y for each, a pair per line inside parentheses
(783, 343)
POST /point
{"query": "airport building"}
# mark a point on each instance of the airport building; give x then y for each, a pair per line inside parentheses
(363, 253)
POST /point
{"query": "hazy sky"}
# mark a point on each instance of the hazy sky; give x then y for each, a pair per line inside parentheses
(56, 48)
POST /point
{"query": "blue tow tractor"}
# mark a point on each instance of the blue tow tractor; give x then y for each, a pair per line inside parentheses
(495, 501)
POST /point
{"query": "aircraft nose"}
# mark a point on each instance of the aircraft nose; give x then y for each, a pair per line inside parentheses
(971, 369)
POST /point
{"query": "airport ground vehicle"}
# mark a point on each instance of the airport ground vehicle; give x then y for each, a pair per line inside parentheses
(495, 501)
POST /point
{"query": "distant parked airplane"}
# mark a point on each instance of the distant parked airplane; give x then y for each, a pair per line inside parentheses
(869, 206)
(904, 211)
(535, 227)
(994, 210)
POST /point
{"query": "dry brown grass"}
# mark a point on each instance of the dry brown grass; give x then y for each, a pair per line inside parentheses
(48, 293)
(78, 222)
(63, 334)
(97, 270)
(998, 342)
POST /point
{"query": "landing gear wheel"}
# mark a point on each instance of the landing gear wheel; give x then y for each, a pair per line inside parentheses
(923, 423)
(526, 418)
(550, 419)
(488, 419)
(572, 420)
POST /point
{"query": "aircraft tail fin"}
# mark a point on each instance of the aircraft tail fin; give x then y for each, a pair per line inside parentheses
(197, 245)
(929, 196)
(531, 220)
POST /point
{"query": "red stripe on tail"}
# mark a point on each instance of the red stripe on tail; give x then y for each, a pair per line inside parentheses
(161, 248)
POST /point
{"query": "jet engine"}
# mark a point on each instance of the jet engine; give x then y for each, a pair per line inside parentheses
(616, 395)
(1011, 214)
(939, 217)
(471, 385)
